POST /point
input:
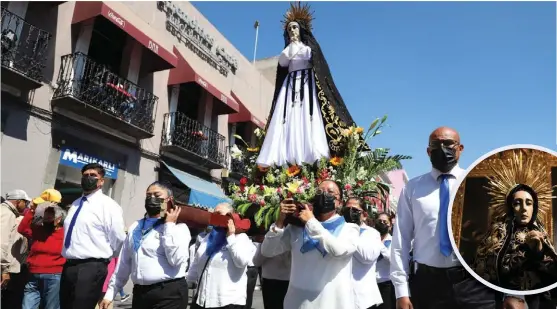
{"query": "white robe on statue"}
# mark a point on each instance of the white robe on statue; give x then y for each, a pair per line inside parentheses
(316, 281)
(293, 136)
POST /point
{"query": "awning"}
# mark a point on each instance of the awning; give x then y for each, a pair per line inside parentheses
(158, 58)
(244, 115)
(202, 192)
(184, 73)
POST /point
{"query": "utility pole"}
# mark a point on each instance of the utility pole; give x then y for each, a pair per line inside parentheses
(256, 26)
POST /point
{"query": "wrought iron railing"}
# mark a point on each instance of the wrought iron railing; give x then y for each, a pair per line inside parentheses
(24, 46)
(189, 134)
(94, 84)
(238, 165)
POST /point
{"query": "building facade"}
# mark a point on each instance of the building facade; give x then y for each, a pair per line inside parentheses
(151, 90)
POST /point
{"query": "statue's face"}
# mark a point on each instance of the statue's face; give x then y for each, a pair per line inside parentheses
(293, 31)
(523, 207)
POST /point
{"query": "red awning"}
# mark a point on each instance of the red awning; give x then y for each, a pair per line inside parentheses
(244, 115)
(161, 59)
(184, 73)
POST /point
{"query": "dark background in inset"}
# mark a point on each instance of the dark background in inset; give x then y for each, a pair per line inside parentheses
(474, 216)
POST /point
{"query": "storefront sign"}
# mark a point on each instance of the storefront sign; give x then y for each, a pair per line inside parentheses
(117, 19)
(186, 29)
(73, 158)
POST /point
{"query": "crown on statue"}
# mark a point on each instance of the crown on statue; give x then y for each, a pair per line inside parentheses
(299, 13)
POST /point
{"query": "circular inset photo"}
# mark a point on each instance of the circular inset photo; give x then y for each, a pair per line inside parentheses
(501, 218)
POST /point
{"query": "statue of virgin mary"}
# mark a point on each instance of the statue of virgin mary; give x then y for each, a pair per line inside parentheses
(307, 114)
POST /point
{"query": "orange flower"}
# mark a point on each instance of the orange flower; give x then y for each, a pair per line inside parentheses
(336, 161)
(293, 171)
(255, 149)
(359, 130)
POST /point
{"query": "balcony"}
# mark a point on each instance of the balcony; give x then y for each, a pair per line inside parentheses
(238, 164)
(24, 51)
(88, 88)
(184, 135)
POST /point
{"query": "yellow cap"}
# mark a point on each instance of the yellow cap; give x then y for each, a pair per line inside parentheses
(48, 195)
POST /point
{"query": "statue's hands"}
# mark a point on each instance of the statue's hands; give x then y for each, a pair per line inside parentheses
(511, 302)
(534, 239)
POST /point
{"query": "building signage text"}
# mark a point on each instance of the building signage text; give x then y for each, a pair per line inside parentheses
(73, 158)
(117, 19)
(186, 29)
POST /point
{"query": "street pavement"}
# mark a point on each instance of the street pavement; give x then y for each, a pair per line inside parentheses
(257, 301)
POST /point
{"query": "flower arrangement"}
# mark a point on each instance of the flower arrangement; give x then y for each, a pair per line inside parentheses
(357, 171)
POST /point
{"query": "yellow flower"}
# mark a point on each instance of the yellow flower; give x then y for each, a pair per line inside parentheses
(255, 149)
(359, 130)
(293, 171)
(293, 186)
(336, 161)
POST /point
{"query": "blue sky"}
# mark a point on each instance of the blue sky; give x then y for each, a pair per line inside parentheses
(484, 68)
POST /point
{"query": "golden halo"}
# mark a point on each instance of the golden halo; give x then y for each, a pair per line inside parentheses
(521, 168)
(298, 13)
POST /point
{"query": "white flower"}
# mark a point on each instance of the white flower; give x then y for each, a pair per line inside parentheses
(235, 152)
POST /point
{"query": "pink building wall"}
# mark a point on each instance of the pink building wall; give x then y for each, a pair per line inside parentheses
(398, 180)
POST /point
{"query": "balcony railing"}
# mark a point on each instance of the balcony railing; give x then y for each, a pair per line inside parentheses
(190, 135)
(24, 46)
(238, 165)
(94, 84)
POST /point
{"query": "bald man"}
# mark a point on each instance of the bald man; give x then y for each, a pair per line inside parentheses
(438, 280)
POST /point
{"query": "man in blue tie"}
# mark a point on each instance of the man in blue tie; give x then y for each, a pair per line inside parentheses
(94, 233)
(438, 280)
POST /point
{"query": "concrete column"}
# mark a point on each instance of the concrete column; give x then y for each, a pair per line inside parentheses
(172, 108)
(81, 46)
(205, 112)
(135, 62)
(231, 133)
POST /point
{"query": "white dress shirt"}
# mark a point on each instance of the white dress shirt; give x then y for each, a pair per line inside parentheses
(417, 216)
(224, 280)
(274, 268)
(98, 231)
(364, 260)
(384, 265)
(316, 281)
(162, 255)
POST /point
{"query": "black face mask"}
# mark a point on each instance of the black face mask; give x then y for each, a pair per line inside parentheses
(89, 183)
(323, 203)
(153, 205)
(352, 215)
(382, 228)
(443, 159)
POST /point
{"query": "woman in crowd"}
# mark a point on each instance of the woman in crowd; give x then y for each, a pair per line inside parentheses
(45, 259)
(219, 266)
(517, 253)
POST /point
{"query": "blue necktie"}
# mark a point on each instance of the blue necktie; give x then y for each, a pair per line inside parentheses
(68, 240)
(444, 197)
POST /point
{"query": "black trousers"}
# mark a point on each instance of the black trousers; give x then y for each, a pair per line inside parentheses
(274, 292)
(443, 288)
(12, 296)
(82, 283)
(387, 291)
(252, 274)
(172, 294)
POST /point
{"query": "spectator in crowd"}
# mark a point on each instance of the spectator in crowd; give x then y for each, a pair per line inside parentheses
(220, 265)
(252, 273)
(111, 268)
(45, 260)
(14, 249)
(155, 255)
(275, 274)
(94, 233)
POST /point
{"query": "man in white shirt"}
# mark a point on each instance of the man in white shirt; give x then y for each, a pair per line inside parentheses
(220, 266)
(321, 251)
(364, 283)
(439, 281)
(383, 226)
(155, 254)
(93, 234)
(275, 276)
